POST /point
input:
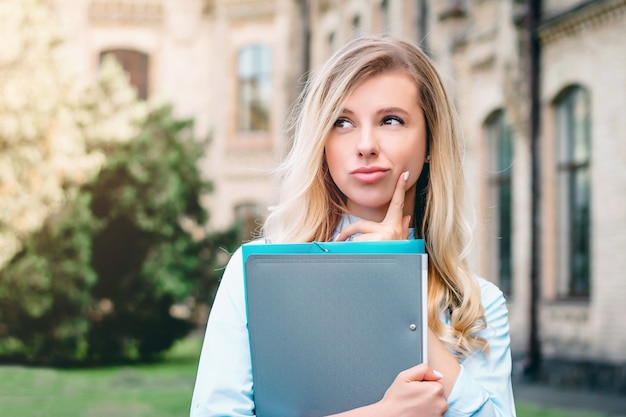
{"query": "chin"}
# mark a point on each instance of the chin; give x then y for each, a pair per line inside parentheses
(371, 212)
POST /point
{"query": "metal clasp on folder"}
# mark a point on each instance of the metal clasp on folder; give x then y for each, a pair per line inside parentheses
(323, 249)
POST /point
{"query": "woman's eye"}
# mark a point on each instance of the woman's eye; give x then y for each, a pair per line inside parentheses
(343, 123)
(393, 121)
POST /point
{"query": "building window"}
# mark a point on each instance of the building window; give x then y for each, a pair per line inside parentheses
(454, 9)
(382, 18)
(385, 16)
(500, 199)
(136, 64)
(254, 69)
(573, 143)
(249, 217)
(356, 26)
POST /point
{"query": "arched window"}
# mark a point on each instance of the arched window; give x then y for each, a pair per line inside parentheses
(254, 69)
(573, 218)
(500, 199)
(136, 64)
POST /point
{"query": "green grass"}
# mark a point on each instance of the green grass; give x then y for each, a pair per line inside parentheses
(529, 410)
(158, 390)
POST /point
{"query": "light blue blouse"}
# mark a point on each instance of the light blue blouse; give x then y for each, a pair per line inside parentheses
(224, 383)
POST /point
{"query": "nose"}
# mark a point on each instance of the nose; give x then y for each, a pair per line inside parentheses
(367, 144)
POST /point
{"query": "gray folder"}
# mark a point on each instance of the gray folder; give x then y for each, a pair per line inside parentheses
(330, 331)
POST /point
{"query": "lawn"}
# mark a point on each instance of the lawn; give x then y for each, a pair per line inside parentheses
(158, 390)
(528, 410)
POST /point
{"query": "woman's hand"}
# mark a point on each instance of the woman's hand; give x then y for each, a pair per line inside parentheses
(395, 225)
(415, 392)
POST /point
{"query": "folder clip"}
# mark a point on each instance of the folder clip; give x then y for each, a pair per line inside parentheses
(323, 249)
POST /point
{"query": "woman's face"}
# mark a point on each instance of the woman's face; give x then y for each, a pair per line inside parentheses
(380, 134)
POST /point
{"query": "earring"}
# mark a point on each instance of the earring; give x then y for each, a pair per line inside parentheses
(427, 158)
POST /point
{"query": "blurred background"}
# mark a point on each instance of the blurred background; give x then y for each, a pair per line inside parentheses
(137, 138)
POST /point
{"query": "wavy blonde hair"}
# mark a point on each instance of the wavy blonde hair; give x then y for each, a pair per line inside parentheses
(311, 206)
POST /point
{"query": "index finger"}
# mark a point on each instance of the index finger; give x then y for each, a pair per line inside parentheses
(396, 205)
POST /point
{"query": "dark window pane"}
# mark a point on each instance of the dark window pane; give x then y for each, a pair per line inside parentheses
(385, 16)
(574, 193)
(356, 26)
(136, 64)
(500, 161)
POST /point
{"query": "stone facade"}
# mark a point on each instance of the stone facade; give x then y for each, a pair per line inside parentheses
(481, 49)
(192, 47)
(582, 46)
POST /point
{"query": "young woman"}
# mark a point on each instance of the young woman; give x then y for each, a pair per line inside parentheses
(377, 156)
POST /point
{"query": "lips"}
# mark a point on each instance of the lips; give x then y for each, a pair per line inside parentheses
(368, 174)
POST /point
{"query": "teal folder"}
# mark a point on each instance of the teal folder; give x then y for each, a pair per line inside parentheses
(332, 324)
(383, 247)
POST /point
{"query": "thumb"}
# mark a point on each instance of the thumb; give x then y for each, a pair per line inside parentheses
(421, 372)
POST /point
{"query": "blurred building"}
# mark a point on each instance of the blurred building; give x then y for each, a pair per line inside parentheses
(232, 65)
(490, 55)
(541, 104)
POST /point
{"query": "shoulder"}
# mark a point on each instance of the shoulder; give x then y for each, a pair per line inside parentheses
(258, 241)
(496, 310)
(236, 256)
(488, 288)
(234, 267)
(491, 297)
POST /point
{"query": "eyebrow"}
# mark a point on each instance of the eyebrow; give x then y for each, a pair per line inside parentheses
(384, 110)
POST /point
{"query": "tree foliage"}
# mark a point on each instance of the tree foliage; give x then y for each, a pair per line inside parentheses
(55, 128)
(99, 283)
(45, 291)
(102, 246)
(144, 258)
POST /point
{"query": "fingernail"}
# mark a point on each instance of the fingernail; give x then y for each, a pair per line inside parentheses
(406, 176)
(439, 374)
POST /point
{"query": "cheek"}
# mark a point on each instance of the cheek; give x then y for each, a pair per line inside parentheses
(413, 159)
(415, 167)
(333, 157)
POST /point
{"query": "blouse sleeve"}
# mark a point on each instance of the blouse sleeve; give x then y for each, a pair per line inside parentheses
(224, 381)
(483, 387)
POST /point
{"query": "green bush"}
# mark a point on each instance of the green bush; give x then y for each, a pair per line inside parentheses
(44, 291)
(98, 282)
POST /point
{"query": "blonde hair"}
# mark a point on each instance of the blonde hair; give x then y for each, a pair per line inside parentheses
(311, 206)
